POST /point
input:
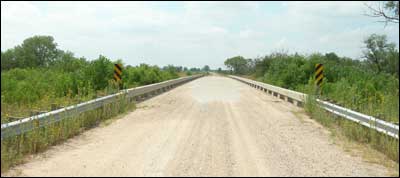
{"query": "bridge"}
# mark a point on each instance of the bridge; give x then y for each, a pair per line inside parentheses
(210, 126)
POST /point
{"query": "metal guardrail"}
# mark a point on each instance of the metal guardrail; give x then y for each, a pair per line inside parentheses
(295, 96)
(365, 120)
(368, 121)
(24, 125)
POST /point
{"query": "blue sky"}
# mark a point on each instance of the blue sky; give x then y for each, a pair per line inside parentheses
(193, 34)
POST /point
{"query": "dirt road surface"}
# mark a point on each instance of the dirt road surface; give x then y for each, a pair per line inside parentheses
(213, 126)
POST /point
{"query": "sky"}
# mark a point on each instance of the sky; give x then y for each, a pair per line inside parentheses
(193, 34)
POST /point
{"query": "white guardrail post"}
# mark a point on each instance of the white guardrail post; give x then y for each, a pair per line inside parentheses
(24, 125)
(300, 98)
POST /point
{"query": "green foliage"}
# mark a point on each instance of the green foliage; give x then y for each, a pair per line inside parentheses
(206, 68)
(188, 73)
(380, 54)
(352, 131)
(237, 64)
(288, 71)
(37, 51)
(145, 74)
(194, 69)
(29, 86)
(100, 71)
(370, 87)
(14, 149)
(37, 74)
(53, 74)
(350, 83)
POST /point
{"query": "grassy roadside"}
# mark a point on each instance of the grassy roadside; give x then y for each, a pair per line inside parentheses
(357, 140)
(15, 149)
(351, 131)
(373, 146)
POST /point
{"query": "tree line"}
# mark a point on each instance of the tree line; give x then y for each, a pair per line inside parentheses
(369, 85)
(37, 72)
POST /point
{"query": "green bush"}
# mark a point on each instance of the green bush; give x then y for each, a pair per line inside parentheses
(347, 82)
(70, 79)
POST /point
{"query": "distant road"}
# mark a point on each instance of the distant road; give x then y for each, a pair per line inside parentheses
(212, 126)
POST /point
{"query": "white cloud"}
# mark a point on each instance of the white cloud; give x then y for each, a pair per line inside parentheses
(195, 33)
(281, 43)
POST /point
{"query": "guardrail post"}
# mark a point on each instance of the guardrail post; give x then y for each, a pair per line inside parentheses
(299, 103)
(34, 113)
(282, 96)
(286, 98)
(53, 106)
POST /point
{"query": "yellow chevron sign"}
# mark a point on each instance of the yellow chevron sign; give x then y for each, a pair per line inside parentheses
(117, 72)
(319, 76)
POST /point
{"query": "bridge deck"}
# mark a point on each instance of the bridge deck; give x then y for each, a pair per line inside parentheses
(213, 126)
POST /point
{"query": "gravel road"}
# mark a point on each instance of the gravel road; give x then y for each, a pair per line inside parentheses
(213, 126)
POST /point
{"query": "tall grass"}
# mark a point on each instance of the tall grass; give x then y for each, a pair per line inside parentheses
(348, 83)
(351, 130)
(25, 90)
(14, 149)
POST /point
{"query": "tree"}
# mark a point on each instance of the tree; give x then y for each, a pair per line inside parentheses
(172, 70)
(68, 63)
(238, 64)
(332, 57)
(250, 65)
(389, 10)
(100, 71)
(37, 51)
(8, 60)
(262, 65)
(391, 62)
(377, 51)
(194, 69)
(206, 68)
(180, 68)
